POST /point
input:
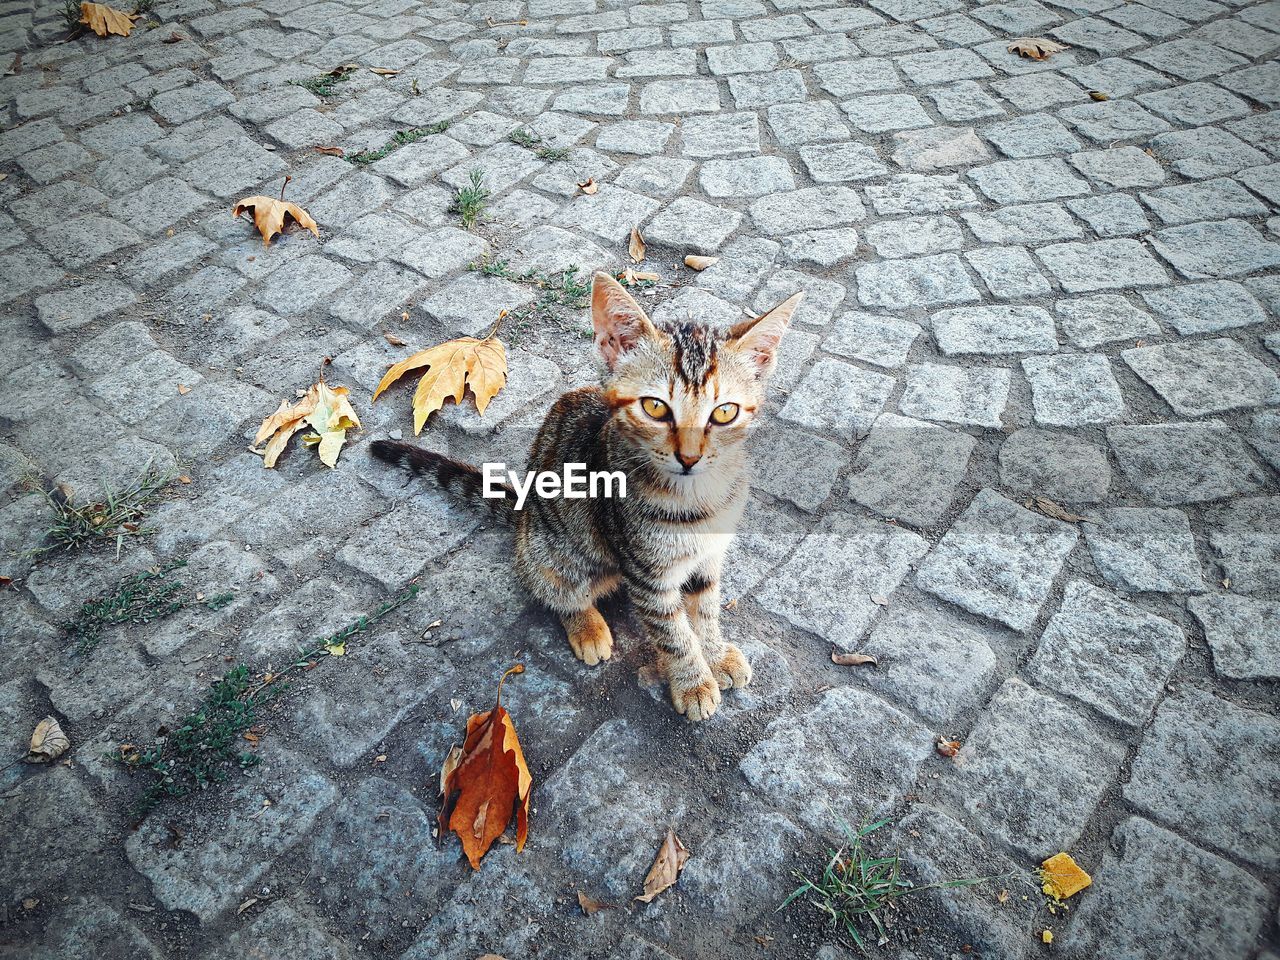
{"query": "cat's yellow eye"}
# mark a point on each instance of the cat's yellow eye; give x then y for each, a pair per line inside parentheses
(724, 414)
(655, 408)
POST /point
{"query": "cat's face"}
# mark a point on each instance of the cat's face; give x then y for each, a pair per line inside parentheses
(684, 396)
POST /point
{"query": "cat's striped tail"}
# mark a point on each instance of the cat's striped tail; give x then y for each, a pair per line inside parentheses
(460, 479)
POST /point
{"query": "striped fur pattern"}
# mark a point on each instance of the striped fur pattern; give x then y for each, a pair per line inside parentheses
(687, 485)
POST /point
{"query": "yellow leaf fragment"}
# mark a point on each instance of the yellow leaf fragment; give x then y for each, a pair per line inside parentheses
(384, 71)
(104, 20)
(1046, 936)
(1035, 48)
(853, 659)
(48, 742)
(671, 858)
(636, 246)
(1062, 877)
(271, 216)
(452, 367)
(336, 649)
(325, 409)
(695, 262)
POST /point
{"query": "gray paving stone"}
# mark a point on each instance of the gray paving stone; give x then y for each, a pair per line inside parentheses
(1139, 549)
(796, 466)
(1120, 167)
(938, 148)
(1223, 760)
(1256, 83)
(824, 248)
(767, 89)
(1175, 463)
(1106, 653)
(916, 282)
(845, 78)
(1072, 390)
(801, 123)
(1264, 180)
(679, 97)
(1207, 376)
(1245, 536)
(1091, 321)
(917, 193)
(1206, 307)
(74, 307)
(282, 927)
(747, 177)
(742, 58)
(1114, 121)
(1034, 223)
(742, 265)
(551, 249)
(1036, 135)
(878, 114)
(886, 767)
(828, 584)
(1111, 215)
(1038, 91)
(1025, 181)
(810, 208)
(821, 297)
(1205, 152)
(1189, 59)
(1226, 248)
(641, 137)
(963, 102)
(690, 224)
(1243, 634)
(1194, 104)
(29, 865)
(720, 135)
(187, 103)
(943, 66)
(837, 399)
(1009, 273)
(1207, 200)
(1210, 906)
(993, 330)
(914, 236)
(842, 162)
(610, 215)
(998, 560)
(909, 470)
(1005, 781)
(1035, 462)
(884, 341)
(974, 397)
(1102, 265)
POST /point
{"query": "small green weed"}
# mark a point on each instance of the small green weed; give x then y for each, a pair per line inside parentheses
(399, 139)
(556, 291)
(553, 154)
(324, 84)
(523, 137)
(206, 746)
(469, 201)
(117, 515)
(144, 7)
(71, 14)
(857, 887)
(139, 598)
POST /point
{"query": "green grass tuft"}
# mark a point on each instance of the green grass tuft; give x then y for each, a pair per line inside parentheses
(523, 137)
(857, 887)
(470, 201)
(117, 515)
(324, 84)
(399, 139)
(558, 291)
(553, 154)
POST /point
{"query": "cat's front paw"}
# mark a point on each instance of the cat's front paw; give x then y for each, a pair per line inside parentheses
(697, 699)
(589, 636)
(731, 669)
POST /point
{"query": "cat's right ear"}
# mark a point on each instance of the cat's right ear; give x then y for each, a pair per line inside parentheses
(759, 338)
(619, 321)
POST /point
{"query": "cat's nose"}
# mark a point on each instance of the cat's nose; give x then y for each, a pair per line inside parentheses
(687, 460)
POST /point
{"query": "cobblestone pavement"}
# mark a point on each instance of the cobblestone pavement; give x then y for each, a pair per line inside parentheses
(1025, 279)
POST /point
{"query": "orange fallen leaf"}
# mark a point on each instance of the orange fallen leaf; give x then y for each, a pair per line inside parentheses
(383, 71)
(1062, 877)
(1099, 95)
(395, 341)
(630, 278)
(325, 409)
(590, 905)
(1035, 48)
(636, 246)
(490, 780)
(331, 151)
(452, 367)
(947, 748)
(6, 581)
(588, 186)
(183, 389)
(853, 659)
(695, 262)
(104, 20)
(671, 858)
(271, 216)
(184, 479)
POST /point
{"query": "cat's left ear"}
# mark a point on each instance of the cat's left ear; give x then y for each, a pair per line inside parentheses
(619, 321)
(759, 338)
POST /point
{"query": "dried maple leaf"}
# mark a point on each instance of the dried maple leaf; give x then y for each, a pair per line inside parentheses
(589, 186)
(452, 367)
(853, 659)
(103, 20)
(947, 748)
(271, 216)
(695, 262)
(331, 151)
(48, 742)
(325, 409)
(490, 780)
(671, 858)
(1051, 509)
(635, 246)
(1035, 48)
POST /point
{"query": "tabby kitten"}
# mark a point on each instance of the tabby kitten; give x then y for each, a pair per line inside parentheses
(673, 411)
